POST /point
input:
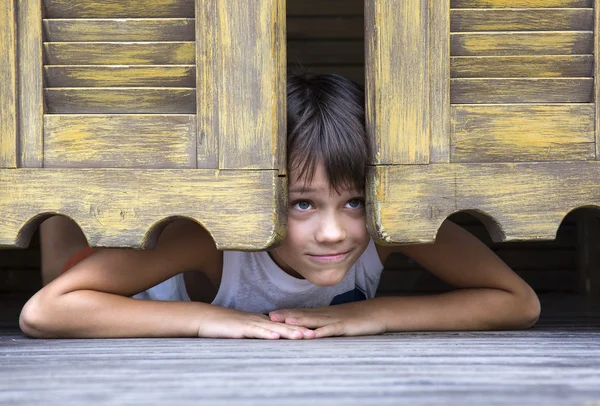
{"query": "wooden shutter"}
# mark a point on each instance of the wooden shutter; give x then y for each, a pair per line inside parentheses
(131, 113)
(487, 106)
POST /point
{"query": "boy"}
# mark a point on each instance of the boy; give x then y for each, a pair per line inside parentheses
(311, 286)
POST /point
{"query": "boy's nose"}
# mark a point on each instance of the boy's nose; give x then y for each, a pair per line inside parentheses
(330, 230)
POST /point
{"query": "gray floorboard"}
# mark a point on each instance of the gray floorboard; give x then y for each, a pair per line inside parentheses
(555, 363)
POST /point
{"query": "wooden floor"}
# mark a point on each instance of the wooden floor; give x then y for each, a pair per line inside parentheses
(555, 363)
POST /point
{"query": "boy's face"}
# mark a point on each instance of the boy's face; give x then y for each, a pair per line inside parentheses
(326, 231)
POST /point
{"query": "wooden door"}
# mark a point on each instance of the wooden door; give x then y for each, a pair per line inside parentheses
(485, 106)
(125, 114)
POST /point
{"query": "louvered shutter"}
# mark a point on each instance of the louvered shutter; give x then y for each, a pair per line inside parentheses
(481, 105)
(129, 113)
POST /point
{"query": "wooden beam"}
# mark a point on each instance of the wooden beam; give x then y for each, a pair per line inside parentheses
(8, 86)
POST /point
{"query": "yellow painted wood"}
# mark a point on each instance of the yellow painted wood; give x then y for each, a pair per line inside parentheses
(120, 141)
(30, 82)
(127, 207)
(241, 82)
(520, 3)
(439, 60)
(115, 53)
(516, 201)
(524, 132)
(120, 76)
(120, 100)
(522, 66)
(597, 73)
(104, 30)
(536, 19)
(397, 80)
(8, 86)
(529, 90)
(521, 43)
(119, 8)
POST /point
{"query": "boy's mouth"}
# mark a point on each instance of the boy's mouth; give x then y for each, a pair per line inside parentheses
(330, 257)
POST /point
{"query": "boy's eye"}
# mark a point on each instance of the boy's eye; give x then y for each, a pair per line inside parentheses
(302, 205)
(355, 204)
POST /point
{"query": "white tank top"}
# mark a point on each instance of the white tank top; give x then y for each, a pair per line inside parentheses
(253, 282)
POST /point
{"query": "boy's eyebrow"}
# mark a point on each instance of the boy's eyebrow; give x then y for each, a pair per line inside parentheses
(302, 189)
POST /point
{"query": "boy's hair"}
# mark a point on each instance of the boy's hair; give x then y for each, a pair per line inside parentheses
(326, 123)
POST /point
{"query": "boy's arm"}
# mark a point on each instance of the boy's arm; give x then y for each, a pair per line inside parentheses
(92, 298)
(489, 295)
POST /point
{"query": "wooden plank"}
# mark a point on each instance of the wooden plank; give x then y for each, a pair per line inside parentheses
(536, 19)
(522, 66)
(530, 90)
(516, 201)
(8, 86)
(104, 30)
(521, 3)
(120, 76)
(521, 43)
(119, 9)
(319, 8)
(120, 141)
(523, 133)
(142, 100)
(241, 83)
(398, 112)
(128, 207)
(115, 53)
(311, 52)
(439, 66)
(349, 27)
(30, 82)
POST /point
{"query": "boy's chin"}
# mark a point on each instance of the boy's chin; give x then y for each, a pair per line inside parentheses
(326, 277)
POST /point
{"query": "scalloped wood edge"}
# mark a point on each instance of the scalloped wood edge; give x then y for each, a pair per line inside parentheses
(515, 201)
(242, 210)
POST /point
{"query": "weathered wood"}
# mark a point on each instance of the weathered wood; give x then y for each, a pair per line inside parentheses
(115, 53)
(103, 30)
(30, 80)
(516, 201)
(536, 19)
(522, 66)
(120, 76)
(127, 207)
(325, 27)
(523, 133)
(439, 60)
(313, 52)
(521, 43)
(120, 141)
(241, 82)
(119, 8)
(520, 3)
(397, 80)
(530, 90)
(142, 100)
(8, 86)
(319, 8)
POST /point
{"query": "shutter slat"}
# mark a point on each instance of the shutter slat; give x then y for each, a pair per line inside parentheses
(82, 30)
(521, 43)
(120, 76)
(120, 100)
(522, 132)
(521, 3)
(491, 90)
(114, 53)
(521, 66)
(120, 141)
(522, 20)
(119, 8)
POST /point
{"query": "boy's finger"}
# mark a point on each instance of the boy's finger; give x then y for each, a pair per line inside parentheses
(286, 331)
(330, 330)
(261, 332)
(309, 321)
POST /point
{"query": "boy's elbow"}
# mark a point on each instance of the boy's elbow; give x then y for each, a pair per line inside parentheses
(528, 310)
(34, 320)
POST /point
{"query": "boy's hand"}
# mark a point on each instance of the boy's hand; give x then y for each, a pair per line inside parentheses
(350, 319)
(231, 323)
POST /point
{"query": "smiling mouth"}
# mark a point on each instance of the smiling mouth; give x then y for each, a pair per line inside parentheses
(329, 257)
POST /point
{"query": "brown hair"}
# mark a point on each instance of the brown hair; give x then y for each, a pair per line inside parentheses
(326, 123)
